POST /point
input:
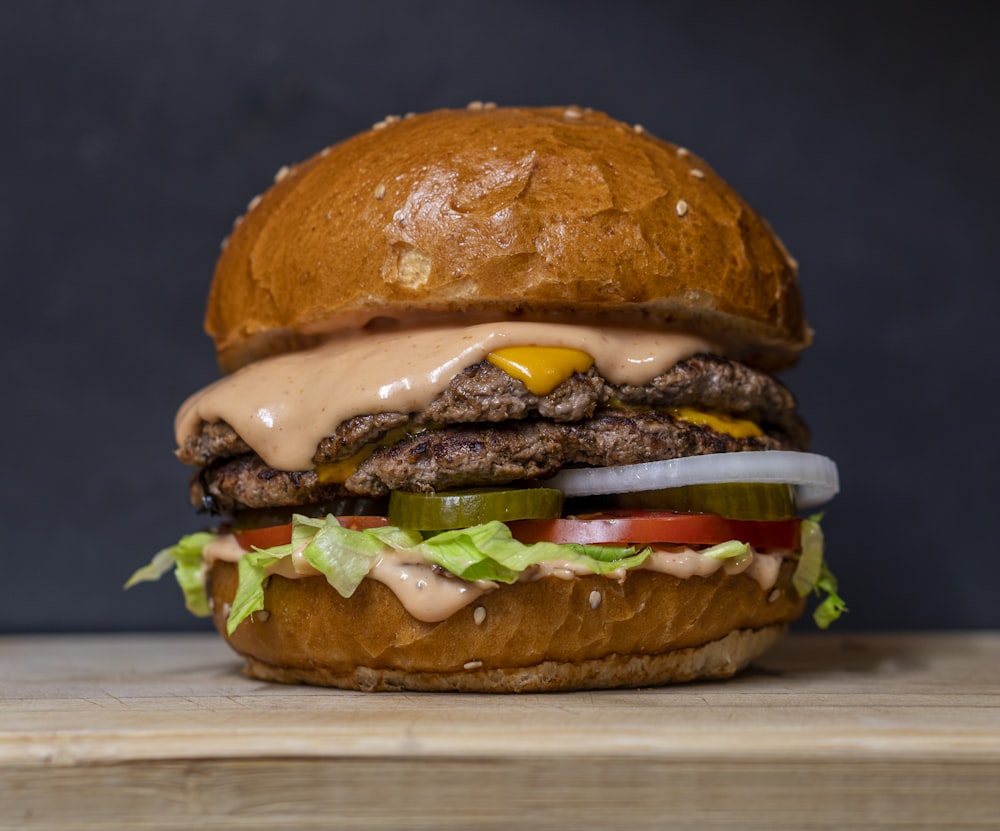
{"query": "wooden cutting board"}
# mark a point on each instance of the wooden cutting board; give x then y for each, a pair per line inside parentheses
(828, 731)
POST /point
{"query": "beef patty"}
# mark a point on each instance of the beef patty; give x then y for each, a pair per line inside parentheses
(486, 428)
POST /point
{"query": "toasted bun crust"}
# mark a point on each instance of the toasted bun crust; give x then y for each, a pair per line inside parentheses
(542, 213)
(538, 636)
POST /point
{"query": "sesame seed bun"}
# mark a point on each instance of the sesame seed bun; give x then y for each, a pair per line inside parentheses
(538, 213)
(482, 215)
(589, 632)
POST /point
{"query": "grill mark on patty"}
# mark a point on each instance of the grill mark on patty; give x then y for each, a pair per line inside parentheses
(484, 393)
(474, 455)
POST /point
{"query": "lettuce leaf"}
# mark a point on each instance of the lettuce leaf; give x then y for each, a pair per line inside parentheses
(489, 552)
(249, 597)
(832, 606)
(812, 574)
(732, 550)
(189, 570)
(810, 563)
(342, 556)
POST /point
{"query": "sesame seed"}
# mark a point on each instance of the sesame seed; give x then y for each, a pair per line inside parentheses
(261, 616)
(237, 221)
(490, 105)
(474, 105)
(329, 214)
(697, 173)
(595, 599)
(253, 203)
(380, 190)
(682, 208)
(773, 596)
(572, 112)
(283, 171)
(226, 609)
(472, 665)
(409, 115)
(639, 128)
(224, 243)
(211, 604)
(683, 151)
(385, 122)
(324, 151)
(479, 615)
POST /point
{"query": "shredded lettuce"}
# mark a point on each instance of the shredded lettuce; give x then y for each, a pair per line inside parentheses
(343, 556)
(482, 552)
(489, 552)
(832, 606)
(810, 563)
(812, 574)
(732, 550)
(189, 570)
(249, 597)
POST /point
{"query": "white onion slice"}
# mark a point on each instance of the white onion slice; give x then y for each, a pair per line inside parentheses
(814, 477)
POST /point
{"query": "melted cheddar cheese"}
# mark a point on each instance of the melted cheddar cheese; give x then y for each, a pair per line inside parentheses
(540, 368)
(335, 473)
(739, 428)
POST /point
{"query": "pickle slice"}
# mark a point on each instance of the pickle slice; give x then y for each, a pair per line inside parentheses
(733, 500)
(460, 509)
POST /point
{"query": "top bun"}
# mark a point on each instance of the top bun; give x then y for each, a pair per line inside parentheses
(554, 214)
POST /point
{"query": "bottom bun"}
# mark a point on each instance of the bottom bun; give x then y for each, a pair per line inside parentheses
(588, 632)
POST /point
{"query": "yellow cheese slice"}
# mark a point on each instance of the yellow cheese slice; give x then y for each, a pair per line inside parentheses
(540, 368)
(334, 473)
(738, 428)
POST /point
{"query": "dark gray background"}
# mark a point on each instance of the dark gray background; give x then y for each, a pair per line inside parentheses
(133, 133)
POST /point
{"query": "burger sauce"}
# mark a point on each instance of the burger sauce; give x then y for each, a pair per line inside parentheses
(284, 406)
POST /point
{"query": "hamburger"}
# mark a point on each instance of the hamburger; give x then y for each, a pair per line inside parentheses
(499, 414)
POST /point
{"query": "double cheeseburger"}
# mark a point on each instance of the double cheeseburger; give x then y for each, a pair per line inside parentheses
(497, 415)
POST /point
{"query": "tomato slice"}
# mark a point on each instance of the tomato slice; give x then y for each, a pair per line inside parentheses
(361, 523)
(275, 535)
(270, 537)
(646, 527)
(620, 527)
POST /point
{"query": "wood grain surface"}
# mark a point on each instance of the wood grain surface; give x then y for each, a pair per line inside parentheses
(161, 731)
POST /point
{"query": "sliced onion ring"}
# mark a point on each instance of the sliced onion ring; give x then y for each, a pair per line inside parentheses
(814, 477)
